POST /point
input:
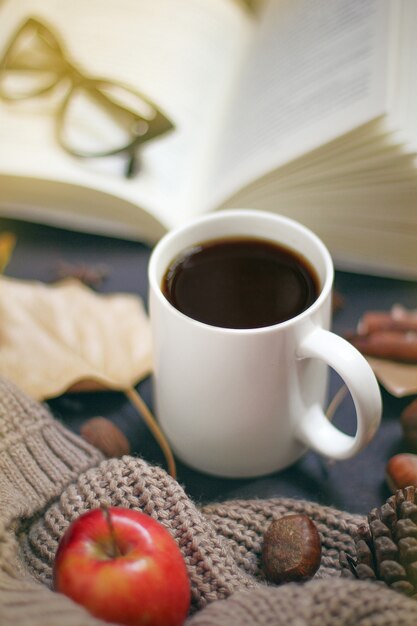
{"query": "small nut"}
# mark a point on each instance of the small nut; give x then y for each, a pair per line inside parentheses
(338, 301)
(408, 419)
(401, 471)
(291, 549)
(106, 436)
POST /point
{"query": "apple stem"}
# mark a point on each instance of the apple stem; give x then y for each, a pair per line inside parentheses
(114, 545)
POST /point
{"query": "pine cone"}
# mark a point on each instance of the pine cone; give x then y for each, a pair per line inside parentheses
(386, 548)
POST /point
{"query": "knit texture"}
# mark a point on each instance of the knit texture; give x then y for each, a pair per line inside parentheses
(49, 476)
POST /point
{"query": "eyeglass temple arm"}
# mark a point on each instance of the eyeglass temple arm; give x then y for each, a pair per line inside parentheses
(132, 165)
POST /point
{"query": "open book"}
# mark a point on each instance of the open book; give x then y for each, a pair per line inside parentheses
(303, 107)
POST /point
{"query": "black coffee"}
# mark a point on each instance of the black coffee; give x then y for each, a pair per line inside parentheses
(240, 283)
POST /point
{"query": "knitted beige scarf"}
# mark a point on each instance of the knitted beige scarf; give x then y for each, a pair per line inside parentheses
(49, 476)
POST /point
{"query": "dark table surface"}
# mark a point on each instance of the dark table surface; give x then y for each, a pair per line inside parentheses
(355, 485)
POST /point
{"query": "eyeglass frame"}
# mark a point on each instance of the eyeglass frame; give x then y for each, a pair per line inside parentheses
(159, 124)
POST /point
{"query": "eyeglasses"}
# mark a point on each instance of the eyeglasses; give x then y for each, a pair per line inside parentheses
(97, 117)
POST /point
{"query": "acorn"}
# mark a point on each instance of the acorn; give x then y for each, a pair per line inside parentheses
(408, 420)
(104, 435)
(401, 471)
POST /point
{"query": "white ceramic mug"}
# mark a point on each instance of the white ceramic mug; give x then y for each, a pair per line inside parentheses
(248, 402)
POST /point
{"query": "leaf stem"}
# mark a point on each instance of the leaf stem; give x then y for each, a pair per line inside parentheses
(336, 402)
(152, 424)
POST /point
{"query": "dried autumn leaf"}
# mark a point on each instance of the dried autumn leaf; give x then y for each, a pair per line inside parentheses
(7, 244)
(63, 337)
(400, 379)
(54, 338)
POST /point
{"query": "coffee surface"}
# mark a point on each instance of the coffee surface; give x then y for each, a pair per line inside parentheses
(240, 283)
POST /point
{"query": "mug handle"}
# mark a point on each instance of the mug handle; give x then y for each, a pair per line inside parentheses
(315, 430)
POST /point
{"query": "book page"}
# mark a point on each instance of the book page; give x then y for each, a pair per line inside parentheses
(316, 70)
(181, 54)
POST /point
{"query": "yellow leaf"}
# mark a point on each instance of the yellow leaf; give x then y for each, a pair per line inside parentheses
(7, 244)
(63, 336)
(66, 337)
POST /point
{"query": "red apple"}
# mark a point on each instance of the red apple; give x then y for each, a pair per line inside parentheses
(124, 567)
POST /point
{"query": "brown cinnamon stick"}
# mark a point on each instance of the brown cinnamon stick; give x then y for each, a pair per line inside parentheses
(387, 344)
(373, 321)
